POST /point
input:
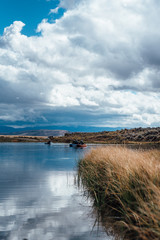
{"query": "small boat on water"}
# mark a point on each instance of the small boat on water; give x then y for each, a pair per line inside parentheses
(78, 144)
(82, 145)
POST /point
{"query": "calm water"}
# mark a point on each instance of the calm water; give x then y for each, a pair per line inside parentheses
(38, 198)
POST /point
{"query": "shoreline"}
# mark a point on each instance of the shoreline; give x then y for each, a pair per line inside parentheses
(21, 138)
(68, 140)
(125, 136)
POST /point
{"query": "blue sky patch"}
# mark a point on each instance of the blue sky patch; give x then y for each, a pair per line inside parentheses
(30, 12)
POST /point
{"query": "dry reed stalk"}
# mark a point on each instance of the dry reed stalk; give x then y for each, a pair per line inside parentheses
(125, 183)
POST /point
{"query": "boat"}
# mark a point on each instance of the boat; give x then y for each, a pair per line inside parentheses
(78, 144)
(81, 145)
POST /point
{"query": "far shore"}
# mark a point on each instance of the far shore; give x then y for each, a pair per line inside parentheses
(140, 136)
(19, 138)
(67, 140)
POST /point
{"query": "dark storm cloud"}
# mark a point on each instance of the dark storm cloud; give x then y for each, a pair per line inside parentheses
(150, 52)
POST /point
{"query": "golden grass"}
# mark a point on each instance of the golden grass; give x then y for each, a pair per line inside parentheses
(125, 184)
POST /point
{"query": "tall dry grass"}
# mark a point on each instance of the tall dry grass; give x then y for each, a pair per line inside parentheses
(124, 184)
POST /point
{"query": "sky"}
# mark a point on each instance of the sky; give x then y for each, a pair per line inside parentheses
(92, 63)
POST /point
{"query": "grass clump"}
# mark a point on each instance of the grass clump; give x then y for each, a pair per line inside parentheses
(124, 184)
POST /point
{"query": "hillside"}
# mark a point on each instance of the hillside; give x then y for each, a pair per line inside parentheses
(31, 135)
(42, 132)
(134, 135)
(125, 136)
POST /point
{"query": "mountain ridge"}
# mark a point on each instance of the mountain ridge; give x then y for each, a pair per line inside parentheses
(41, 132)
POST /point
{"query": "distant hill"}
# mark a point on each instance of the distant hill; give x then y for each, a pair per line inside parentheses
(134, 135)
(42, 132)
(5, 130)
(127, 136)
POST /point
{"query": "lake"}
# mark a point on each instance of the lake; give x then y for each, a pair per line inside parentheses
(38, 197)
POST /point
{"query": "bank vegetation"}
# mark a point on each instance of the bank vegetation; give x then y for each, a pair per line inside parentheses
(124, 136)
(125, 187)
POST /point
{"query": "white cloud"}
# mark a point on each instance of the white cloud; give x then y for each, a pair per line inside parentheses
(69, 4)
(55, 10)
(101, 57)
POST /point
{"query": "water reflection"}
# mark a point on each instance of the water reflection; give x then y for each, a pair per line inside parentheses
(38, 197)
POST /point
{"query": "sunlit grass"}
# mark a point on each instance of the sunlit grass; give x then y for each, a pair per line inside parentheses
(125, 183)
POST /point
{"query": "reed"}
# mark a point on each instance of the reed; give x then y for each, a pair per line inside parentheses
(124, 184)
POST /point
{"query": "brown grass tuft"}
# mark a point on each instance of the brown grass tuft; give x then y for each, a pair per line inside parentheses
(125, 184)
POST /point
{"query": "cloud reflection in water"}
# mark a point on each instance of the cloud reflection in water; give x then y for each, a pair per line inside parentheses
(42, 205)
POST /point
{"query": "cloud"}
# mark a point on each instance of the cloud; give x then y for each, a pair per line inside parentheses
(102, 58)
(55, 10)
(69, 4)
